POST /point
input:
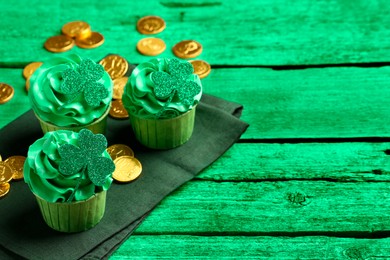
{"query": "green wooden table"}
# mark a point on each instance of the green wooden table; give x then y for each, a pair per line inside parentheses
(310, 177)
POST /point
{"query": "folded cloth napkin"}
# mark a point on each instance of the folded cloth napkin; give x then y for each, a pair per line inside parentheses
(23, 232)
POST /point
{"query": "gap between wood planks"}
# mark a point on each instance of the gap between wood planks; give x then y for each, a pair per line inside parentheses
(340, 234)
(318, 140)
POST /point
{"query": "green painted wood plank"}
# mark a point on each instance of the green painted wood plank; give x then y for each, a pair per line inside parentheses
(254, 247)
(273, 208)
(246, 33)
(309, 103)
(306, 161)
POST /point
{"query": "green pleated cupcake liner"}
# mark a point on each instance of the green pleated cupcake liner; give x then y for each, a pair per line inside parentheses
(163, 133)
(73, 216)
(97, 127)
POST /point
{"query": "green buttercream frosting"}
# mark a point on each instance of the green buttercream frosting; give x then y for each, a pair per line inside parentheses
(70, 102)
(162, 88)
(42, 174)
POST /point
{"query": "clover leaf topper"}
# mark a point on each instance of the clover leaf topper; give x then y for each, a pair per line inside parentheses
(86, 158)
(175, 81)
(83, 79)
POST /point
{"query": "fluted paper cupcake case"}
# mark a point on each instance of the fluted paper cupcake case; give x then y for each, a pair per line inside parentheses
(73, 216)
(97, 127)
(164, 133)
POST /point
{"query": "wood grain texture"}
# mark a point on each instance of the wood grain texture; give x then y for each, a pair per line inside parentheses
(273, 208)
(253, 247)
(257, 33)
(339, 162)
(309, 103)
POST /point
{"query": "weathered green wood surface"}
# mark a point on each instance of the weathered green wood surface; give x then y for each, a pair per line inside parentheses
(325, 194)
(232, 33)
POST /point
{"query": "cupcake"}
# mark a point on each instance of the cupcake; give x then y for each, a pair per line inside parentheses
(69, 174)
(161, 97)
(71, 93)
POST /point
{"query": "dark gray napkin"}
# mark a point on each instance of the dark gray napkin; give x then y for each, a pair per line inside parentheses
(23, 232)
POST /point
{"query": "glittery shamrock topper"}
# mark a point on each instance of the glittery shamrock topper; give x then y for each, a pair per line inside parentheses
(83, 79)
(176, 81)
(87, 157)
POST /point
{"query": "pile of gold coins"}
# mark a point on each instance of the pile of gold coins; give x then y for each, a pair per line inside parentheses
(116, 66)
(153, 46)
(127, 167)
(74, 33)
(10, 170)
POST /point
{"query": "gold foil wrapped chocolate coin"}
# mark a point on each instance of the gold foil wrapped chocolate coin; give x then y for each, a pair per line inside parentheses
(151, 46)
(93, 40)
(76, 29)
(5, 172)
(201, 68)
(117, 110)
(16, 164)
(187, 49)
(59, 43)
(119, 87)
(150, 25)
(115, 65)
(6, 93)
(127, 169)
(30, 69)
(4, 189)
(118, 150)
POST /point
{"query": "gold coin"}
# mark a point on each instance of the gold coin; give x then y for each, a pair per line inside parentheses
(30, 69)
(93, 40)
(187, 49)
(119, 87)
(6, 93)
(59, 43)
(77, 29)
(201, 68)
(115, 65)
(16, 164)
(4, 189)
(118, 150)
(0, 158)
(117, 110)
(126, 169)
(28, 84)
(150, 25)
(5, 172)
(151, 46)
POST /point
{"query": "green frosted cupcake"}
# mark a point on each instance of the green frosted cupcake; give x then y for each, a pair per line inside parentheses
(71, 93)
(69, 174)
(161, 98)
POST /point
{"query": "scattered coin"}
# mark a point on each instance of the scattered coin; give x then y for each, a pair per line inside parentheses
(151, 46)
(150, 25)
(201, 68)
(59, 43)
(127, 168)
(5, 172)
(30, 69)
(115, 65)
(117, 110)
(93, 40)
(119, 87)
(4, 189)
(118, 150)
(187, 49)
(6, 93)
(76, 29)
(16, 164)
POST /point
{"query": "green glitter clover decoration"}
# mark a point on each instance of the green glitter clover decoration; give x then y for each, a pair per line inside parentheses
(175, 81)
(84, 80)
(87, 157)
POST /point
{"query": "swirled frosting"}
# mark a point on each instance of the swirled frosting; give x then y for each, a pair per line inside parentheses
(43, 177)
(53, 106)
(139, 97)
